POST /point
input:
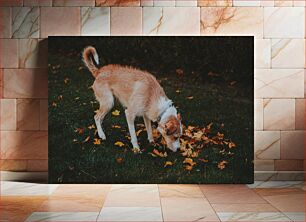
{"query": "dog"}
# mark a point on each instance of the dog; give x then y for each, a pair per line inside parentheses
(139, 93)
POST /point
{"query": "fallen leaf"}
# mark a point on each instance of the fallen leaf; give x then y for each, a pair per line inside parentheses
(86, 140)
(221, 165)
(97, 141)
(119, 160)
(178, 91)
(60, 97)
(138, 132)
(91, 127)
(116, 126)
(179, 72)
(203, 160)
(168, 163)
(231, 145)
(190, 97)
(116, 113)
(189, 161)
(136, 150)
(66, 80)
(160, 154)
(79, 130)
(188, 167)
(119, 143)
(54, 104)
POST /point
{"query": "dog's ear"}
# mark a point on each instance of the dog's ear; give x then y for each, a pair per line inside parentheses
(170, 127)
(179, 116)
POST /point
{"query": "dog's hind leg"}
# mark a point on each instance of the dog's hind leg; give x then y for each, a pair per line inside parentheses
(106, 101)
(147, 122)
(130, 117)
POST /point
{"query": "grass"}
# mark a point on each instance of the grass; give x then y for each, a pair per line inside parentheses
(72, 105)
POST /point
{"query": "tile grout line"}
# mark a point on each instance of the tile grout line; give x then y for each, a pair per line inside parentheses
(161, 208)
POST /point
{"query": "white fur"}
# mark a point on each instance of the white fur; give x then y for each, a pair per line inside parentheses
(96, 57)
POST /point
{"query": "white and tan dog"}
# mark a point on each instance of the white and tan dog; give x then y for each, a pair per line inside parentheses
(140, 93)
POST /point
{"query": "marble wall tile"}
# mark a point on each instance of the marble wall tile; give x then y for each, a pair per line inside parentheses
(130, 214)
(159, 21)
(126, 21)
(73, 3)
(1, 83)
(33, 53)
(25, 22)
(146, 2)
(8, 53)
(13, 165)
(37, 165)
(8, 115)
(95, 21)
(117, 2)
(267, 145)
(5, 22)
(300, 114)
(232, 21)
(25, 83)
(299, 3)
(163, 3)
(267, 3)
(23, 144)
(305, 83)
(186, 3)
(292, 145)
(284, 3)
(27, 114)
(249, 3)
(5, 3)
(258, 120)
(279, 83)
(220, 3)
(37, 2)
(263, 53)
(289, 165)
(43, 114)
(51, 17)
(285, 49)
(187, 209)
(284, 22)
(262, 165)
(279, 114)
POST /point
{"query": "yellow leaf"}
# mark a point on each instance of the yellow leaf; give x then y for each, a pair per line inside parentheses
(198, 135)
(120, 144)
(160, 154)
(97, 141)
(116, 126)
(178, 91)
(168, 163)
(188, 167)
(116, 113)
(79, 130)
(221, 165)
(203, 160)
(231, 145)
(189, 161)
(91, 127)
(86, 140)
(138, 132)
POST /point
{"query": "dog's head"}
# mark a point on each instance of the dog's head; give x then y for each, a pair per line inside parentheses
(171, 130)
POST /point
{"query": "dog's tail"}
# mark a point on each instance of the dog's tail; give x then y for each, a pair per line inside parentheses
(91, 60)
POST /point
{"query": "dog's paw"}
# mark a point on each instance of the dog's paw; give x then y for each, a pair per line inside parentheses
(102, 135)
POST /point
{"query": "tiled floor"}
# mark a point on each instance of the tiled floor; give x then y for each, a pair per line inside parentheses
(262, 201)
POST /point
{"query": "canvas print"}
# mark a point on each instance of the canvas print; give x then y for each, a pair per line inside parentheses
(151, 109)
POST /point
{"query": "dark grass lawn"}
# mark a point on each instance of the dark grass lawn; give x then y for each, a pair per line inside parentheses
(72, 105)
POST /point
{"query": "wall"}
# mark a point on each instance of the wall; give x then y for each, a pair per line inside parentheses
(278, 26)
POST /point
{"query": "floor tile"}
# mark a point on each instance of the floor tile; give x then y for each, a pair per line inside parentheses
(285, 200)
(230, 194)
(263, 207)
(63, 216)
(71, 204)
(184, 190)
(83, 190)
(131, 195)
(251, 216)
(9, 188)
(296, 216)
(277, 184)
(130, 214)
(187, 209)
(18, 208)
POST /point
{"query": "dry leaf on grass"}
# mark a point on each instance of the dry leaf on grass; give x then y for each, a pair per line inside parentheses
(168, 163)
(86, 140)
(116, 113)
(119, 143)
(222, 164)
(97, 141)
(119, 160)
(79, 130)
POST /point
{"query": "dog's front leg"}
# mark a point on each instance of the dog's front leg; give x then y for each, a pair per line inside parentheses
(147, 122)
(130, 117)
